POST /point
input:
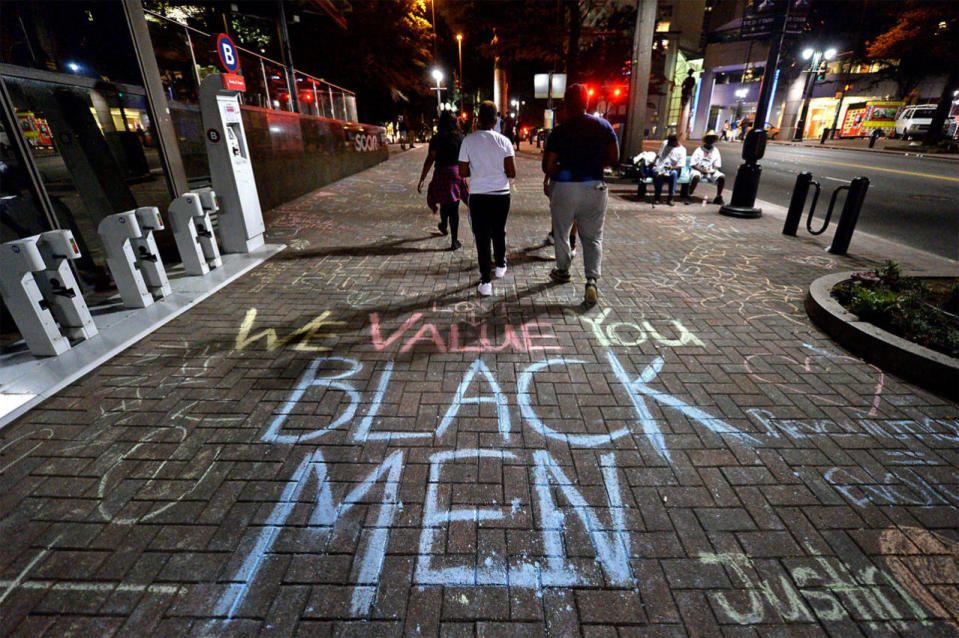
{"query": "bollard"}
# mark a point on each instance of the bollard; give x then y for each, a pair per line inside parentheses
(796, 204)
(849, 216)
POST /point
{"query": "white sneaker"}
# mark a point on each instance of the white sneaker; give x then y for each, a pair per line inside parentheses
(485, 290)
(572, 252)
(500, 271)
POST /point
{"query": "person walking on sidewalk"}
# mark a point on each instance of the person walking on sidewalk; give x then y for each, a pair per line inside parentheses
(447, 188)
(706, 163)
(486, 158)
(576, 152)
(669, 162)
(405, 133)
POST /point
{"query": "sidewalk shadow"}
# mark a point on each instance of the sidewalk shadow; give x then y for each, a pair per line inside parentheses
(396, 247)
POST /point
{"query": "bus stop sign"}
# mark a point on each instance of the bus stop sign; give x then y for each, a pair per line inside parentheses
(229, 57)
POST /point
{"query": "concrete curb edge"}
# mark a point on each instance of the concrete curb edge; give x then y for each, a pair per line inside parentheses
(926, 368)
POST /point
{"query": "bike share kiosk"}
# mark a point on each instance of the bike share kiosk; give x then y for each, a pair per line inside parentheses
(59, 287)
(19, 260)
(241, 220)
(194, 232)
(145, 250)
(117, 233)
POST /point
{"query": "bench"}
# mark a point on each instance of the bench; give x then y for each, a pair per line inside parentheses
(685, 176)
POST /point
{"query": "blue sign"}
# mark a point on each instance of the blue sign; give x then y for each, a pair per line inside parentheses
(229, 57)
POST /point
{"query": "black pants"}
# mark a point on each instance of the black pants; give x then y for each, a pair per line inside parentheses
(450, 216)
(488, 217)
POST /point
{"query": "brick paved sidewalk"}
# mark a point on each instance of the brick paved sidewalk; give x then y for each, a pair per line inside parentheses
(348, 441)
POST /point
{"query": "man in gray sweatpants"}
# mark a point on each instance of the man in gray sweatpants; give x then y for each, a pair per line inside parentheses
(576, 152)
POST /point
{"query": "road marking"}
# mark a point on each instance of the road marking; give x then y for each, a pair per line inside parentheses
(889, 170)
(836, 179)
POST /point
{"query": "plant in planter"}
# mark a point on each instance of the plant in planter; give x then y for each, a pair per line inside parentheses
(925, 312)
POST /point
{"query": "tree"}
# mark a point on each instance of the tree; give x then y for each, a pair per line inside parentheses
(923, 42)
(382, 54)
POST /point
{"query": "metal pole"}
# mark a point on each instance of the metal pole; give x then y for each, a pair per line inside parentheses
(835, 120)
(641, 64)
(288, 54)
(196, 74)
(549, 92)
(156, 97)
(316, 98)
(266, 85)
(742, 203)
(807, 94)
(459, 46)
(769, 71)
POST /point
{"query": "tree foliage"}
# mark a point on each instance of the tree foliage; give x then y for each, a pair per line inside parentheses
(921, 43)
(382, 54)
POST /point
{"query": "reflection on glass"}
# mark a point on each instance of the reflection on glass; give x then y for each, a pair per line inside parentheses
(95, 150)
(279, 92)
(20, 215)
(86, 39)
(255, 94)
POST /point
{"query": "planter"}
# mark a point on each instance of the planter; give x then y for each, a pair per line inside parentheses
(926, 368)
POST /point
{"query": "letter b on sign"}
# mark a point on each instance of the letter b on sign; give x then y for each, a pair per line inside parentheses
(228, 54)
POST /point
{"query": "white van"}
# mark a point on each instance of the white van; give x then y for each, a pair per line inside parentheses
(914, 121)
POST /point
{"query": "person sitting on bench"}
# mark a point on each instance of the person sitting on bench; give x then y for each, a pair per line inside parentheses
(706, 163)
(669, 162)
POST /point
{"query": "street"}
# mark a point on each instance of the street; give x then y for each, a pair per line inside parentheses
(912, 200)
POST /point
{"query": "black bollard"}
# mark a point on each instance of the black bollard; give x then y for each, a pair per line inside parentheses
(796, 204)
(743, 201)
(850, 215)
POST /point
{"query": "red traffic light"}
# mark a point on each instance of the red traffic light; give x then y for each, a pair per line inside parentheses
(616, 92)
(590, 91)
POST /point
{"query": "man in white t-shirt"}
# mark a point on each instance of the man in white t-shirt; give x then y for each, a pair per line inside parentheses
(706, 163)
(486, 158)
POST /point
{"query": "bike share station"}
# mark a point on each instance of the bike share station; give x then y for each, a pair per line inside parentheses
(63, 339)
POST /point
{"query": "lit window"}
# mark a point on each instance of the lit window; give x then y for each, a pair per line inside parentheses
(662, 27)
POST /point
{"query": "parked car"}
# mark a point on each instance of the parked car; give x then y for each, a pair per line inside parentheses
(914, 121)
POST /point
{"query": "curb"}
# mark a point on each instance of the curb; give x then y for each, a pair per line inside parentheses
(926, 368)
(932, 156)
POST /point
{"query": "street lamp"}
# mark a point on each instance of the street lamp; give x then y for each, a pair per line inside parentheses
(459, 47)
(438, 76)
(816, 56)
